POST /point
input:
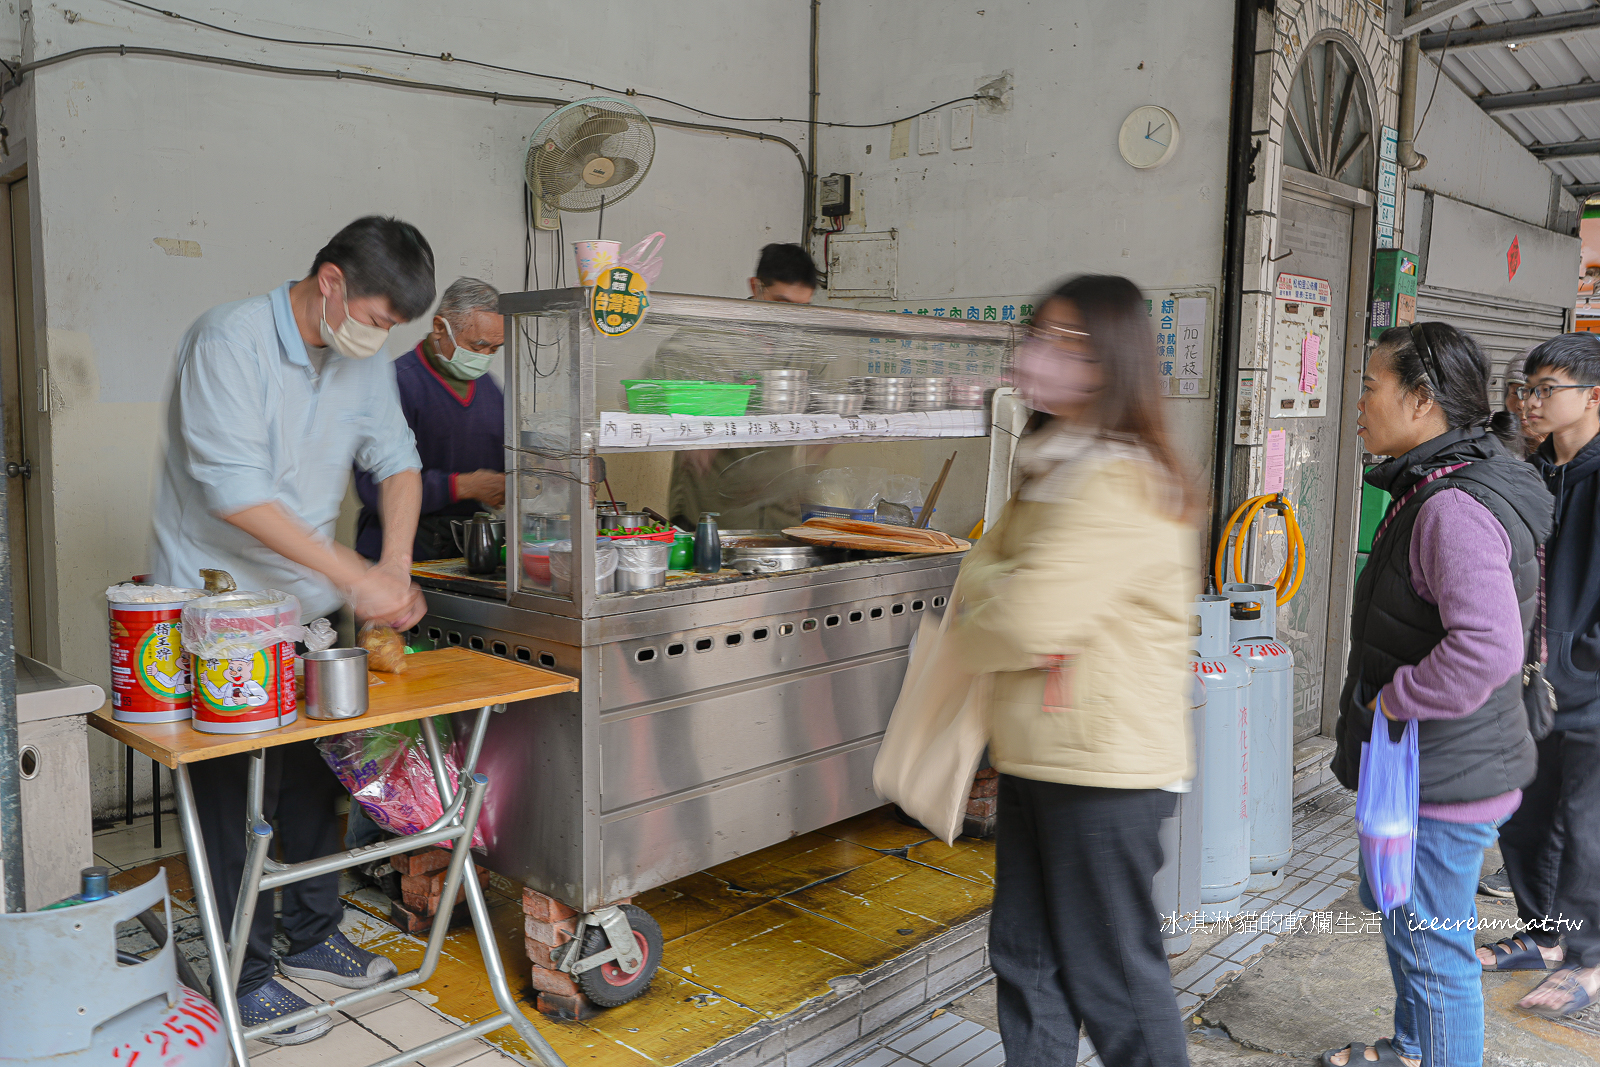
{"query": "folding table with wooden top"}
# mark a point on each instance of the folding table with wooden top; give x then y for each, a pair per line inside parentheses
(434, 683)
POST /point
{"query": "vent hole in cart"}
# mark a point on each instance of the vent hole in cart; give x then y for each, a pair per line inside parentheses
(644, 655)
(898, 609)
(875, 613)
(475, 643)
(831, 620)
(734, 639)
(759, 635)
(917, 605)
(434, 634)
(546, 660)
(939, 601)
(498, 648)
(786, 629)
(525, 654)
(809, 625)
(675, 650)
(453, 637)
(856, 616)
(703, 644)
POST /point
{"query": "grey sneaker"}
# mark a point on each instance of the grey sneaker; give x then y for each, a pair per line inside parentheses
(273, 1001)
(1496, 884)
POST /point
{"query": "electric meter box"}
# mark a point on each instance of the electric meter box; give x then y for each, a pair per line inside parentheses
(1394, 290)
(833, 196)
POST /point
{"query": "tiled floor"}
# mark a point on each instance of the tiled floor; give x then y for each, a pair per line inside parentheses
(368, 1033)
(1321, 870)
(756, 938)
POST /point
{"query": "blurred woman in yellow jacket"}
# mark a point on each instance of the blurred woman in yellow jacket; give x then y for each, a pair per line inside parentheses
(1078, 602)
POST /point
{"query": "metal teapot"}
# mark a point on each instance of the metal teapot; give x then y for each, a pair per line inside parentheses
(480, 540)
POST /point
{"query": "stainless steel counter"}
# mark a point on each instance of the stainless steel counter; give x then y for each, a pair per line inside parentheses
(712, 720)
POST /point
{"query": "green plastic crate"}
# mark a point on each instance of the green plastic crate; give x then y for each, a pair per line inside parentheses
(686, 398)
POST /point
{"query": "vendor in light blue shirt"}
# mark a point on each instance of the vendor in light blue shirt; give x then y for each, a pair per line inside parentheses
(276, 397)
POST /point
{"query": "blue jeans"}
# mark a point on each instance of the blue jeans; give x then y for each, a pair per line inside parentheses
(1438, 981)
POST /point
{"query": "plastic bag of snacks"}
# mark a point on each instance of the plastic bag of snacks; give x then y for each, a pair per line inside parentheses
(386, 649)
(387, 771)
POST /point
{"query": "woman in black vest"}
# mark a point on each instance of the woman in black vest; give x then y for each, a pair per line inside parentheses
(1438, 635)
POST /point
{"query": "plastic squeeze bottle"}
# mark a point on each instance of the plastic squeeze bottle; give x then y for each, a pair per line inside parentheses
(707, 545)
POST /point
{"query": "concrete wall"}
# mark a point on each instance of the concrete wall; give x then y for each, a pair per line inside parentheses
(259, 170)
(1042, 193)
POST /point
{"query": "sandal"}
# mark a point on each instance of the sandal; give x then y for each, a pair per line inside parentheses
(1515, 954)
(1565, 980)
(1358, 1054)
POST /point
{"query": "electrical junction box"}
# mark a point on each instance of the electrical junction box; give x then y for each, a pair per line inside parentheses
(833, 196)
(1394, 290)
(862, 265)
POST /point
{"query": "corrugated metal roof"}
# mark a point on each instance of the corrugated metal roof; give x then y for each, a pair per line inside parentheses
(1569, 59)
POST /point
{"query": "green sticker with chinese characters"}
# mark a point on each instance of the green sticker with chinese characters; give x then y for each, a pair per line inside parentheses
(619, 301)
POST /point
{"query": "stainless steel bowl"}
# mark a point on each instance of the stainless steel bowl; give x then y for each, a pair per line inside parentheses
(788, 402)
(888, 405)
(769, 555)
(846, 404)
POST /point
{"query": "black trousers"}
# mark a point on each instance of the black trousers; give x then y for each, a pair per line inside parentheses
(1074, 937)
(1551, 846)
(299, 798)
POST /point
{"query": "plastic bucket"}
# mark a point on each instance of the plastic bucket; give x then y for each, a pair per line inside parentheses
(593, 258)
(150, 678)
(244, 664)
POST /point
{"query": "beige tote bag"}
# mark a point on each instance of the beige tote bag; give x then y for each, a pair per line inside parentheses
(936, 734)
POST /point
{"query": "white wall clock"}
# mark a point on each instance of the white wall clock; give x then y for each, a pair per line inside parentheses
(1149, 137)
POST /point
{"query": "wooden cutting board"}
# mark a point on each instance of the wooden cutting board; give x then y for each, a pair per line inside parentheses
(874, 537)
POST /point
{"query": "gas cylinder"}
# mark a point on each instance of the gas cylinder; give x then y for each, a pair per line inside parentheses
(1176, 891)
(65, 1000)
(1224, 776)
(1254, 632)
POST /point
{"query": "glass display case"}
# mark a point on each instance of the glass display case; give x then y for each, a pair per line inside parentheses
(703, 375)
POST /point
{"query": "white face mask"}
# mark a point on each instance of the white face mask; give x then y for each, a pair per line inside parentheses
(464, 364)
(353, 339)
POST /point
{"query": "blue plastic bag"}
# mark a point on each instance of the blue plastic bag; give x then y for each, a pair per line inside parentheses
(1386, 812)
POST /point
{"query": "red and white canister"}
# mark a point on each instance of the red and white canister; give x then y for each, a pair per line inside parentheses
(242, 646)
(150, 678)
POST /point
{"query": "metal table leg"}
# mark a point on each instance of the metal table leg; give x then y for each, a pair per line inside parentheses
(476, 905)
(222, 985)
(461, 808)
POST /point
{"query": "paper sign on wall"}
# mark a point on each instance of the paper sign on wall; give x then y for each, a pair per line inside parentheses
(1308, 362)
(1272, 468)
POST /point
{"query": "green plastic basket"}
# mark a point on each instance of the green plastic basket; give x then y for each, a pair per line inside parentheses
(686, 398)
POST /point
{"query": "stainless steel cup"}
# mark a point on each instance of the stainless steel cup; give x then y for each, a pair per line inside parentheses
(336, 683)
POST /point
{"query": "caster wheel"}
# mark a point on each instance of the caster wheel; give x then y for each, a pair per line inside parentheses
(608, 985)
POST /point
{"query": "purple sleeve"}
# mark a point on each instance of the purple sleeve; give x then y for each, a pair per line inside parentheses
(1460, 558)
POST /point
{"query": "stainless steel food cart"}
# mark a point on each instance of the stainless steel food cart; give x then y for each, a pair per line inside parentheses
(713, 718)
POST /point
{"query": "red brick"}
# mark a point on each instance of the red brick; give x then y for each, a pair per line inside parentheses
(985, 787)
(536, 905)
(572, 1009)
(987, 772)
(538, 953)
(556, 933)
(425, 861)
(546, 980)
(412, 921)
(982, 807)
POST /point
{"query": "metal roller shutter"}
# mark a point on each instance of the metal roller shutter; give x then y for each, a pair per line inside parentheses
(1503, 328)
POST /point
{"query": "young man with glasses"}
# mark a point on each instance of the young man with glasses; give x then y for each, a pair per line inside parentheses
(1551, 844)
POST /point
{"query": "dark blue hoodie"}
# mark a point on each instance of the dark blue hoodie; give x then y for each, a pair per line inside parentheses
(1572, 584)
